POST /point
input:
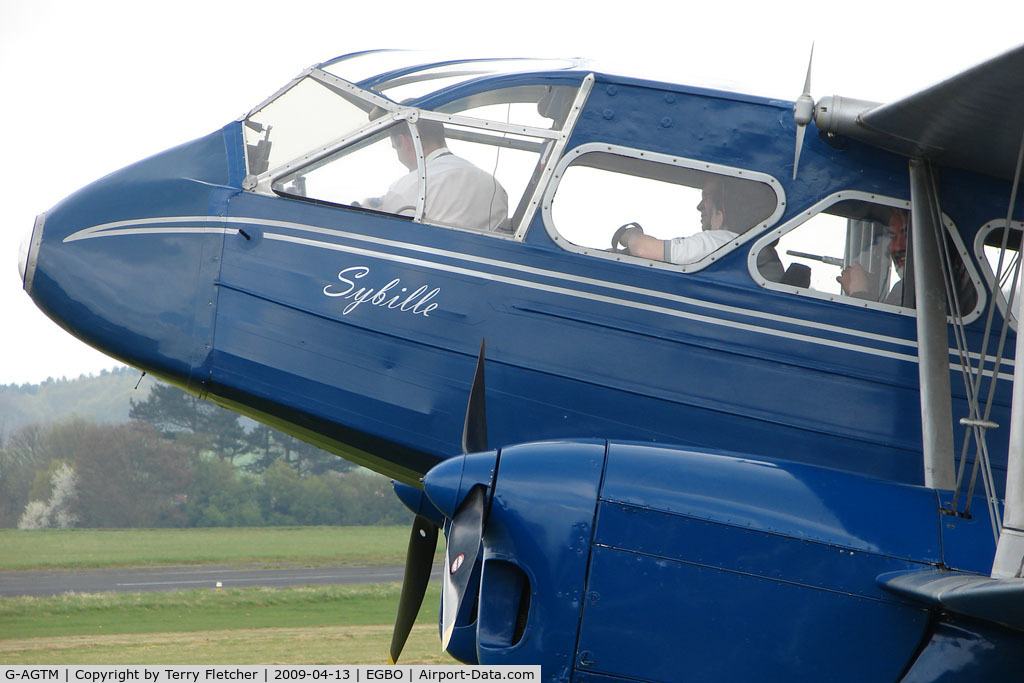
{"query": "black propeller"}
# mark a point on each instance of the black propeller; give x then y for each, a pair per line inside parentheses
(463, 547)
(418, 562)
(463, 539)
(474, 430)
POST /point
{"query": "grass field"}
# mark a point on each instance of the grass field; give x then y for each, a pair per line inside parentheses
(311, 625)
(304, 546)
(306, 625)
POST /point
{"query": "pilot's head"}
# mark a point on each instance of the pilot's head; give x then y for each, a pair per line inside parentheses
(899, 221)
(712, 204)
(734, 204)
(431, 138)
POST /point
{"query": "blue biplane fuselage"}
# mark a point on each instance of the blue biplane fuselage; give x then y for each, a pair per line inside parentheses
(726, 461)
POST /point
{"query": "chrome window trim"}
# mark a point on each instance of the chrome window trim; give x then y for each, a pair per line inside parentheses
(834, 198)
(671, 160)
(986, 269)
(376, 99)
(485, 124)
(545, 180)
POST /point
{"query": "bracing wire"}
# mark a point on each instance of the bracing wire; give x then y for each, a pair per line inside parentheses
(978, 422)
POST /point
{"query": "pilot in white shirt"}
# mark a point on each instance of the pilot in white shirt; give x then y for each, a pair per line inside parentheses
(683, 250)
(457, 192)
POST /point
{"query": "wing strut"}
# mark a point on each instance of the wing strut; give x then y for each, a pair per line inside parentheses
(1009, 560)
(932, 334)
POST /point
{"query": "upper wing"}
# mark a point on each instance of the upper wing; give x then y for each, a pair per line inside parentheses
(974, 120)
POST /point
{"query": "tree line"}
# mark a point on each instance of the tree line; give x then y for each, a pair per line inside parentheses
(180, 462)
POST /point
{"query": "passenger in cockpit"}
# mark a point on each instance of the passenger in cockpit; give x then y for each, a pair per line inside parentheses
(714, 232)
(727, 207)
(855, 280)
(457, 193)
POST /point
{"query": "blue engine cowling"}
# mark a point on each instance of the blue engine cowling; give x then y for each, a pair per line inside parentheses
(634, 562)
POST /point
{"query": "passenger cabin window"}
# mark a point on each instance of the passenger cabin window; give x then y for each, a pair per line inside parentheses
(989, 248)
(859, 251)
(638, 205)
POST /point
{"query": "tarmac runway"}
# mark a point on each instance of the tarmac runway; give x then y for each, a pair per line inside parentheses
(143, 579)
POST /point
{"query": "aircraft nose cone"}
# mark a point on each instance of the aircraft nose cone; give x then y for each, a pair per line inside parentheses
(442, 484)
(27, 253)
(23, 256)
(448, 482)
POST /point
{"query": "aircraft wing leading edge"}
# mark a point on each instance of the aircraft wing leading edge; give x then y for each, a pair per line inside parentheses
(997, 600)
(973, 120)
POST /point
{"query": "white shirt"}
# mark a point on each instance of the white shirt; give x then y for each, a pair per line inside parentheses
(693, 248)
(458, 194)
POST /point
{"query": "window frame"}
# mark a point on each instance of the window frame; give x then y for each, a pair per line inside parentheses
(557, 138)
(859, 195)
(670, 160)
(986, 270)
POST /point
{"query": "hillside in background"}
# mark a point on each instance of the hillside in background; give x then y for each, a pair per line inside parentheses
(95, 452)
(100, 398)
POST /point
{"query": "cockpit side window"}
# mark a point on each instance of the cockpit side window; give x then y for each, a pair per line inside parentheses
(999, 266)
(351, 176)
(307, 115)
(632, 205)
(856, 248)
(473, 163)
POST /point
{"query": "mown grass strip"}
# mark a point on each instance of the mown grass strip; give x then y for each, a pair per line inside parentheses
(205, 610)
(320, 645)
(302, 546)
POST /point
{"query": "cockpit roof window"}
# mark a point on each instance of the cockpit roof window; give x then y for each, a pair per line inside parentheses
(410, 75)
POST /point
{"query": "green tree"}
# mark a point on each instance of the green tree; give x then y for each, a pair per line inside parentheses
(366, 498)
(129, 476)
(268, 445)
(170, 410)
(20, 455)
(220, 495)
(281, 491)
(197, 424)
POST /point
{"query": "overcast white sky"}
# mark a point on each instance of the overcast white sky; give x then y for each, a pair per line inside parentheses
(89, 87)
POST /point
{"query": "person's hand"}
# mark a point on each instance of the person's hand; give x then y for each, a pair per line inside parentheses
(853, 280)
(625, 235)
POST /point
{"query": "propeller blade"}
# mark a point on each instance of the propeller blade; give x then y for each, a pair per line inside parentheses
(803, 112)
(800, 130)
(464, 540)
(807, 81)
(474, 431)
(418, 562)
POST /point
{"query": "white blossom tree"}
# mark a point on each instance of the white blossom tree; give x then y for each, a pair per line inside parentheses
(56, 513)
